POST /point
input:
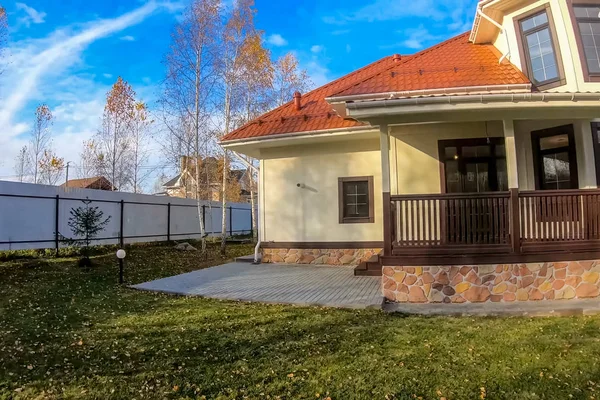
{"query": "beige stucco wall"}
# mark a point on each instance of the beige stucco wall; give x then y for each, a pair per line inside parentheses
(292, 214)
(415, 147)
(565, 32)
(310, 214)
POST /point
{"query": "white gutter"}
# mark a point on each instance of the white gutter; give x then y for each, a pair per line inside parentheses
(484, 98)
(292, 135)
(522, 87)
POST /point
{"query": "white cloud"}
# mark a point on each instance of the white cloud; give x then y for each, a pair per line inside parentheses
(454, 11)
(416, 39)
(128, 38)
(316, 48)
(276, 40)
(48, 69)
(32, 15)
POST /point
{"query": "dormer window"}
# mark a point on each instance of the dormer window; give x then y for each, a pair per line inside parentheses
(586, 22)
(539, 51)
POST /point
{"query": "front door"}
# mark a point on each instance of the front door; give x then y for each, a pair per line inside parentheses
(471, 166)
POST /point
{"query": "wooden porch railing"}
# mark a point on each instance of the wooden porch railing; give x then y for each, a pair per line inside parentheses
(495, 223)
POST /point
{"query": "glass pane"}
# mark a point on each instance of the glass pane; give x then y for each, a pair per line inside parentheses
(500, 150)
(356, 199)
(541, 54)
(452, 177)
(554, 142)
(534, 21)
(557, 171)
(476, 179)
(476, 151)
(450, 153)
(587, 12)
(590, 36)
(501, 175)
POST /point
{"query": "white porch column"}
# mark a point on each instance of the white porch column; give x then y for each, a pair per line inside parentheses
(511, 154)
(584, 148)
(384, 145)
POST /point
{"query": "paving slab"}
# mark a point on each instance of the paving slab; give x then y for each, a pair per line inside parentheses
(304, 285)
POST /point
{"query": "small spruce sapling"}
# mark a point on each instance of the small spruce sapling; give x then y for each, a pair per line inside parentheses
(86, 223)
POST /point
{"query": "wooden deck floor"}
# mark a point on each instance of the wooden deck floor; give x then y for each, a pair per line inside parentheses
(274, 283)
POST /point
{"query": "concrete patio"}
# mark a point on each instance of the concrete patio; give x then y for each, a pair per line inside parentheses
(304, 285)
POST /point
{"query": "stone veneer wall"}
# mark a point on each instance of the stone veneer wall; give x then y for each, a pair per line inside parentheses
(318, 256)
(497, 283)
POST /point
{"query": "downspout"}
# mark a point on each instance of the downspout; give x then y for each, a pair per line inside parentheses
(502, 31)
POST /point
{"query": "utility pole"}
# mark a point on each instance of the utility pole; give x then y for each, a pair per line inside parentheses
(67, 175)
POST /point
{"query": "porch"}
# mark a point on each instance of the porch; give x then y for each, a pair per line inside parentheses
(490, 192)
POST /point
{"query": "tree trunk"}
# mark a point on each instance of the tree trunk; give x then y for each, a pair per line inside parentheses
(224, 206)
(197, 166)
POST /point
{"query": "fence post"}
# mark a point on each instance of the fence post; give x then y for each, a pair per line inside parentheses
(56, 238)
(168, 222)
(515, 225)
(121, 239)
(230, 221)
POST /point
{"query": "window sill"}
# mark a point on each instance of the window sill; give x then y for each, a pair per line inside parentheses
(366, 220)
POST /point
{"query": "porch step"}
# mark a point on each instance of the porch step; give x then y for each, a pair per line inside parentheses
(371, 267)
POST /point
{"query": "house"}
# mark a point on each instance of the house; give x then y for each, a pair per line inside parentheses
(466, 172)
(97, 182)
(184, 183)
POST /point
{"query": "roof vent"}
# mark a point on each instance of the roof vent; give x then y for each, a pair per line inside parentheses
(397, 58)
(298, 101)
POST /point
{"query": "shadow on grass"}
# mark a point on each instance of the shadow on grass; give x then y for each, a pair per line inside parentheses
(85, 337)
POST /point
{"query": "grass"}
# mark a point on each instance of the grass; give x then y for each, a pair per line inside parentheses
(70, 333)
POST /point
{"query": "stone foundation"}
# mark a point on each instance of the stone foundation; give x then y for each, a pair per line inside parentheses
(318, 256)
(497, 283)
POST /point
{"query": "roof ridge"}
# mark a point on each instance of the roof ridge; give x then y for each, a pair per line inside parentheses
(409, 57)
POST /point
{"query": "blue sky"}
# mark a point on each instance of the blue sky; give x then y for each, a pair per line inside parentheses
(67, 53)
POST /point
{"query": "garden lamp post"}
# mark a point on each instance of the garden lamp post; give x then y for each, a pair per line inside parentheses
(121, 256)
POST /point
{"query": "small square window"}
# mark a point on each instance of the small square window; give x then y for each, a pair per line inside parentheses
(356, 199)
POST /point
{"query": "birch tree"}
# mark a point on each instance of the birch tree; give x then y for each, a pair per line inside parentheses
(288, 78)
(191, 78)
(140, 135)
(21, 164)
(237, 33)
(51, 168)
(41, 138)
(3, 37)
(88, 160)
(114, 139)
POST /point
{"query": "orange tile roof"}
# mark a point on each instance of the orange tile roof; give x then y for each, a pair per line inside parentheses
(97, 182)
(453, 63)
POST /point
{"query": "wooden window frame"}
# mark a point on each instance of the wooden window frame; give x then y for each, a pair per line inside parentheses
(524, 54)
(371, 196)
(587, 76)
(442, 144)
(537, 153)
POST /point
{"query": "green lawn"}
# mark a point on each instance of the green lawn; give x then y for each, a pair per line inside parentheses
(68, 333)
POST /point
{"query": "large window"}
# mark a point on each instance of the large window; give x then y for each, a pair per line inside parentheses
(596, 140)
(473, 165)
(356, 199)
(539, 48)
(586, 21)
(555, 158)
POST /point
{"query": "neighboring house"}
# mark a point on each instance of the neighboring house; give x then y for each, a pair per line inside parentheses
(97, 182)
(470, 168)
(184, 183)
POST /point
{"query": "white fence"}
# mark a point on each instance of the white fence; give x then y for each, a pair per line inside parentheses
(36, 216)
